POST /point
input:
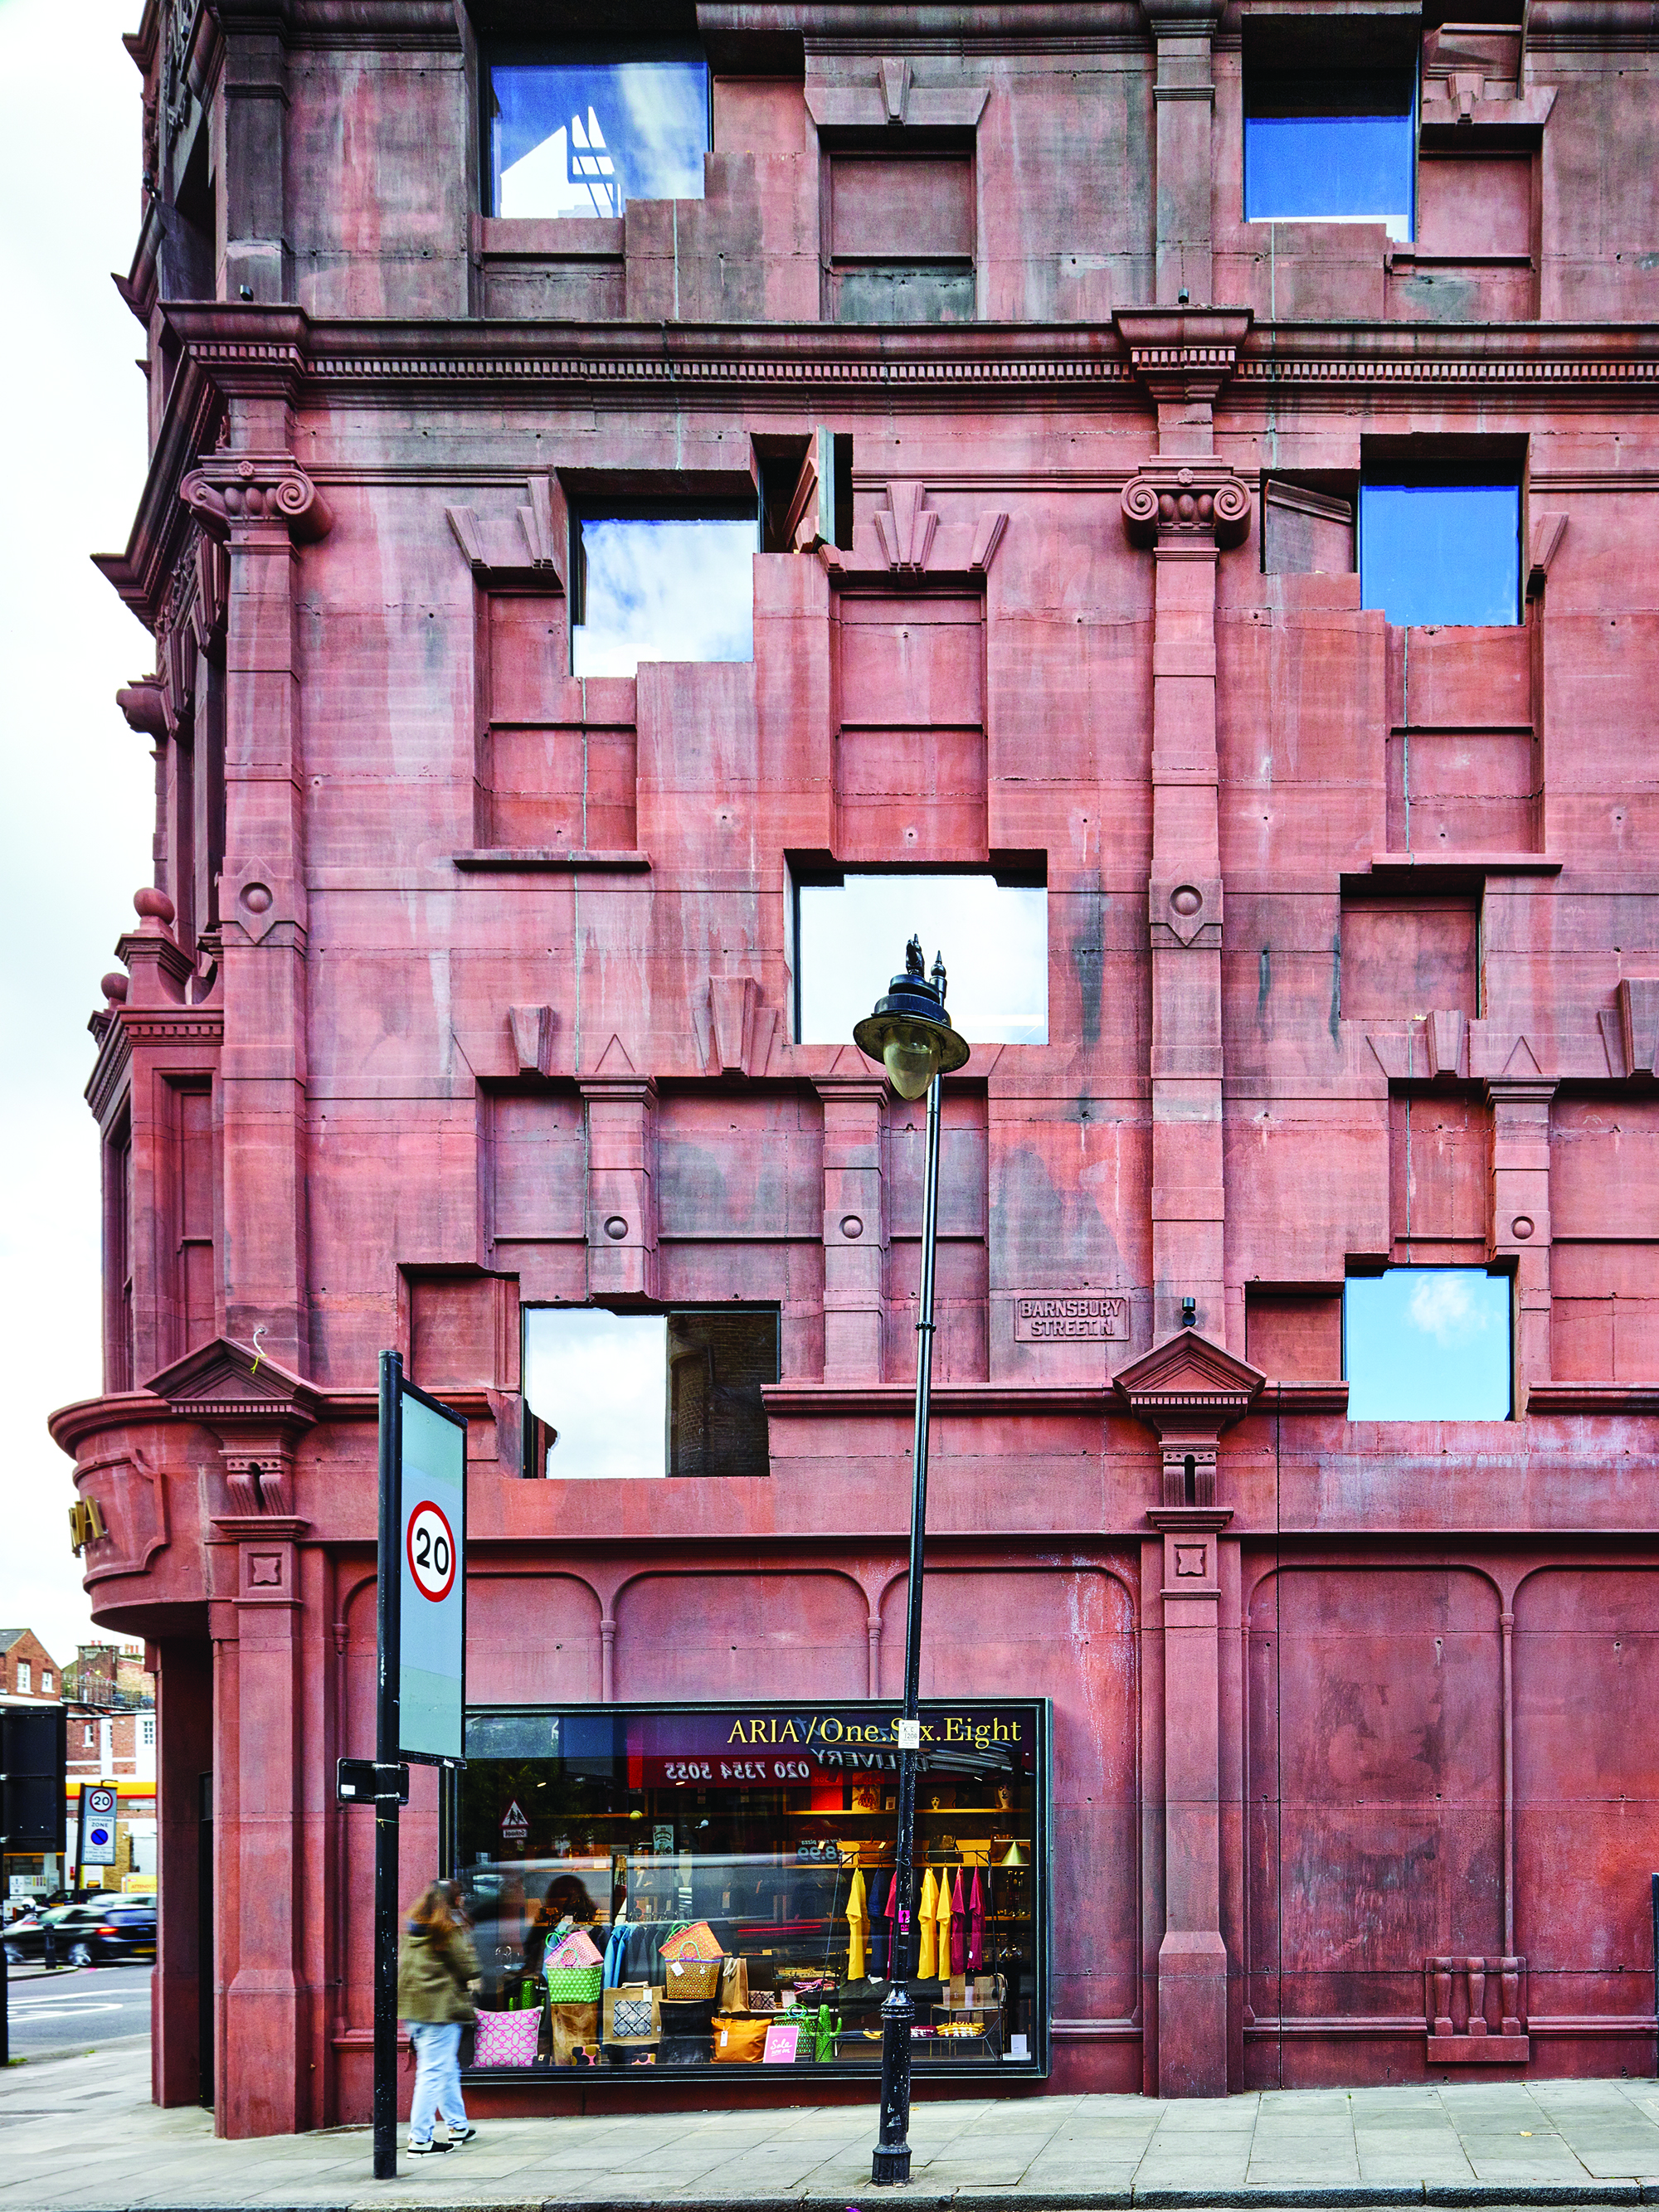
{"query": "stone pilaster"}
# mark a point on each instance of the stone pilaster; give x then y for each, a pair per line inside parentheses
(854, 1226)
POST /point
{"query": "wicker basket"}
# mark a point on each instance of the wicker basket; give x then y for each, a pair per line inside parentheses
(691, 1978)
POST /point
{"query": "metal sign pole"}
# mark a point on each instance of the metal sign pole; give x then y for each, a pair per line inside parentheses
(388, 1565)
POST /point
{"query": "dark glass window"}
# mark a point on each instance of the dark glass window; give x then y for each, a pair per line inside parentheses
(1441, 552)
(1427, 1344)
(582, 136)
(629, 1395)
(1337, 146)
(662, 588)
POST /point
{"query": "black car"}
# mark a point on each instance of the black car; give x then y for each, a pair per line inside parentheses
(98, 1932)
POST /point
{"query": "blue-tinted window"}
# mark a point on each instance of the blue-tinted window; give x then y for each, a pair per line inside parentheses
(664, 590)
(584, 138)
(851, 938)
(1441, 553)
(1331, 169)
(1427, 1344)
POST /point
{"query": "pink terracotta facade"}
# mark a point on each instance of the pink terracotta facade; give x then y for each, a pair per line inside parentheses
(453, 960)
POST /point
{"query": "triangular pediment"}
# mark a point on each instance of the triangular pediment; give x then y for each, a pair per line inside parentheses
(614, 1060)
(1189, 1379)
(229, 1381)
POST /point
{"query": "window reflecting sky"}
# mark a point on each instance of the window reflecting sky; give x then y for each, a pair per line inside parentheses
(1427, 1344)
(601, 1380)
(665, 591)
(1330, 168)
(995, 938)
(585, 138)
(1441, 553)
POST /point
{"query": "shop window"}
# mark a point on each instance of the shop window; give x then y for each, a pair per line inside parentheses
(1427, 1344)
(850, 936)
(657, 587)
(769, 1830)
(640, 1395)
(902, 238)
(1438, 550)
(585, 133)
(1330, 124)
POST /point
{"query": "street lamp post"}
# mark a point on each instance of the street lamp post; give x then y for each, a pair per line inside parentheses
(910, 1033)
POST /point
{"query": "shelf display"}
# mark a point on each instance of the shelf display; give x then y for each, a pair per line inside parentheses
(733, 1869)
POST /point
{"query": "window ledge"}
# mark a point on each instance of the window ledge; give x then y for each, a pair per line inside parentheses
(895, 1399)
(1593, 1398)
(1421, 260)
(1449, 866)
(552, 238)
(547, 860)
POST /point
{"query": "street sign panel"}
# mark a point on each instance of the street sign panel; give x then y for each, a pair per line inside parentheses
(99, 1804)
(432, 1567)
(32, 1760)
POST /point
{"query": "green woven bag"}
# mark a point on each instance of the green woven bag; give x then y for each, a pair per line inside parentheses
(574, 1984)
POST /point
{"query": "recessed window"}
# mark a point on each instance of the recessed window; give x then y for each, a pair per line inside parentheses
(582, 136)
(659, 588)
(850, 940)
(45, 1682)
(636, 1396)
(1441, 552)
(1335, 142)
(24, 1678)
(1427, 1344)
(902, 238)
(147, 1734)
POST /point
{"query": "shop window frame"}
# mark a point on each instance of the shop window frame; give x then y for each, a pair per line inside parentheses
(1036, 2065)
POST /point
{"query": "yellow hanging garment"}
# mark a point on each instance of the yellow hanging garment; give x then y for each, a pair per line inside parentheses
(857, 1925)
(927, 1958)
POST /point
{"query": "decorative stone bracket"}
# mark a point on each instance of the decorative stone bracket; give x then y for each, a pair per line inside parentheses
(1188, 1390)
(908, 538)
(1198, 503)
(521, 549)
(257, 1409)
(233, 496)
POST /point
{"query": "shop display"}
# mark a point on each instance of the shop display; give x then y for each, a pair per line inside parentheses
(714, 1886)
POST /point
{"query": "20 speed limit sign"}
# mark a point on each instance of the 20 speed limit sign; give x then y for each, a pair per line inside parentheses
(431, 1546)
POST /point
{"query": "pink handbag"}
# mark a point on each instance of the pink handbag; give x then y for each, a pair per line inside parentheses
(507, 2039)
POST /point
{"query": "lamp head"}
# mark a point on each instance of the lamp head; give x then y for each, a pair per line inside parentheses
(909, 1032)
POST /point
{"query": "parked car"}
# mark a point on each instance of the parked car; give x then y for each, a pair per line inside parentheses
(97, 1932)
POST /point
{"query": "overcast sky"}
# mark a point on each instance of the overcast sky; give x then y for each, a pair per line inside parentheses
(75, 835)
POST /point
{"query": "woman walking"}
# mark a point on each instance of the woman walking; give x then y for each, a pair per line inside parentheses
(435, 1964)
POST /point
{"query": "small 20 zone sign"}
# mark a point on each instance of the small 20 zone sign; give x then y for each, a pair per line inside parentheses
(431, 1546)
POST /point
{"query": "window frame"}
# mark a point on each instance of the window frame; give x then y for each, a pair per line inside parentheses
(593, 504)
(1452, 474)
(1311, 65)
(934, 143)
(530, 1423)
(594, 53)
(1492, 1272)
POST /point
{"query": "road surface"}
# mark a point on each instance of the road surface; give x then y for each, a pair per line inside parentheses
(78, 2010)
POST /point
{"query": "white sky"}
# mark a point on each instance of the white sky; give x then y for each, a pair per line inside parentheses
(74, 836)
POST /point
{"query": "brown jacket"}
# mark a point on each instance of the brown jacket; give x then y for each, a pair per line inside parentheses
(433, 1973)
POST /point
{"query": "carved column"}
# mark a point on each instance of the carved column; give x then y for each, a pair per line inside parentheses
(1185, 505)
(263, 506)
(855, 1227)
(1184, 94)
(1188, 1390)
(1521, 1215)
(622, 1179)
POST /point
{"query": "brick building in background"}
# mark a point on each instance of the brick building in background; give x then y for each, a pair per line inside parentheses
(111, 1737)
(29, 1676)
(1177, 490)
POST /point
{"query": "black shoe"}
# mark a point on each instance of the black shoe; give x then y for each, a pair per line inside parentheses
(459, 2135)
(420, 2150)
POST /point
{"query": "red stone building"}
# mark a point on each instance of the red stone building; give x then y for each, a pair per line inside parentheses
(1201, 468)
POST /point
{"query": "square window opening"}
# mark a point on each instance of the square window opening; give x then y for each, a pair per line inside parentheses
(633, 1396)
(1330, 124)
(663, 585)
(1428, 1344)
(583, 130)
(850, 932)
(901, 235)
(1442, 549)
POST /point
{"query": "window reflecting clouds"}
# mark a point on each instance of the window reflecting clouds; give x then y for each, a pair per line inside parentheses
(583, 138)
(599, 1384)
(995, 938)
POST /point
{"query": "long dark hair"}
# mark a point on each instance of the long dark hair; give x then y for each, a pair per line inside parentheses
(434, 1914)
(567, 1899)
